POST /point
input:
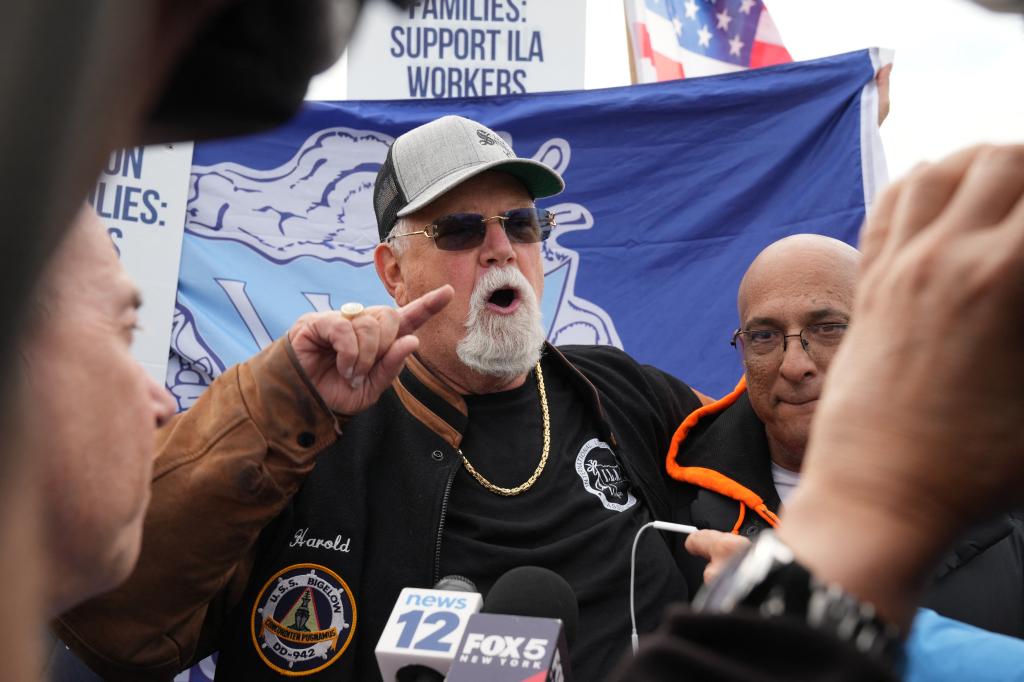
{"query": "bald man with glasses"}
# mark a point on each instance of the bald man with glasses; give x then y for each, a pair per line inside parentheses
(742, 456)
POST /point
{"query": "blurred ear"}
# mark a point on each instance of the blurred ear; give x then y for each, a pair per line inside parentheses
(389, 270)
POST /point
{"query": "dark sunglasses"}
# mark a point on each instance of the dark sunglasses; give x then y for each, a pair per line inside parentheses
(460, 231)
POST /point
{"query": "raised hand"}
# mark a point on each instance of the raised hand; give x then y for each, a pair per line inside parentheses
(920, 429)
(352, 361)
(934, 360)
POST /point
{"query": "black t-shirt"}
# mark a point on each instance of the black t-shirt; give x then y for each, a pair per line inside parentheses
(578, 519)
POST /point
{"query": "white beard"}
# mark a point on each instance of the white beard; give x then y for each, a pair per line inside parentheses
(504, 346)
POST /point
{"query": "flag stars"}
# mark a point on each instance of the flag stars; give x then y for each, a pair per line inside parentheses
(736, 45)
(724, 19)
(747, 5)
(704, 36)
(677, 25)
(691, 9)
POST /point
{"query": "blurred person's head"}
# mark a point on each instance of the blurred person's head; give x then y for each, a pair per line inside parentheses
(93, 410)
(1003, 5)
(794, 302)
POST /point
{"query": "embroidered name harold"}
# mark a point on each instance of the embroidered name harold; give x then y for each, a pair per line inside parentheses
(303, 619)
(300, 540)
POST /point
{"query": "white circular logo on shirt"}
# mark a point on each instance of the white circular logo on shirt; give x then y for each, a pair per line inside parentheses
(602, 476)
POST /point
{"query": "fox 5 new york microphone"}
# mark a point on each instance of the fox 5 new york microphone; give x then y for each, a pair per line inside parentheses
(523, 633)
(502, 648)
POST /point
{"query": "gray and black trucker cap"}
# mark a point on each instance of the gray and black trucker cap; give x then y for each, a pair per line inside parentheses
(426, 162)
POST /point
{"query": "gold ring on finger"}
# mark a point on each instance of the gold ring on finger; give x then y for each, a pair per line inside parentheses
(351, 310)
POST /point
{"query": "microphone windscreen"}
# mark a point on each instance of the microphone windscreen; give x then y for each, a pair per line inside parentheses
(456, 583)
(537, 592)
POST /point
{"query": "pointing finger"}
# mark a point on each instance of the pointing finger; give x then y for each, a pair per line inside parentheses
(699, 544)
(423, 308)
(714, 545)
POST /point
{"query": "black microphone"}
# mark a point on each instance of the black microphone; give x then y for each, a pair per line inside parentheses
(418, 673)
(425, 627)
(537, 592)
(522, 631)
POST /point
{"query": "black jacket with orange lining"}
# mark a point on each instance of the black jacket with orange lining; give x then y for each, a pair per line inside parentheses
(720, 451)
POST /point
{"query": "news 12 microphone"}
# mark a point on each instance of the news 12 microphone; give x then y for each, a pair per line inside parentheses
(424, 630)
(522, 634)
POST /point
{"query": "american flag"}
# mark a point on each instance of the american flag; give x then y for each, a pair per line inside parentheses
(686, 38)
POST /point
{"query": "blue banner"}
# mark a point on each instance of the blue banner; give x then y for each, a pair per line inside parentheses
(672, 189)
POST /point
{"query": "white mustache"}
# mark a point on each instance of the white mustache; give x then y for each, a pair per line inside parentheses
(500, 278)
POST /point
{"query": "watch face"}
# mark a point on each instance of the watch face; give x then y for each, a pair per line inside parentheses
(742, 574)
(767, 577)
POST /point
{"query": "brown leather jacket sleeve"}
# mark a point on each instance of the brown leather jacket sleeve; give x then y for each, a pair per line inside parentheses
(224, 470)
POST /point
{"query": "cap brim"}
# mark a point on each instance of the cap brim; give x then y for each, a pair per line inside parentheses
(540, 181)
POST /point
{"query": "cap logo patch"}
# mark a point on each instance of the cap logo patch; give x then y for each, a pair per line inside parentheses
(303, 619)
(487, 138)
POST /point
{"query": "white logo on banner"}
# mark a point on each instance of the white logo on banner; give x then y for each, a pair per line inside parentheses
(319, 204)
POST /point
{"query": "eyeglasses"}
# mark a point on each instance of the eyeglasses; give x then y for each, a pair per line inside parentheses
(461, 231)
(818, 340)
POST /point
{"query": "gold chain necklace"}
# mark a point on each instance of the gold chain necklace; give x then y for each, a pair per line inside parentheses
(522, 487)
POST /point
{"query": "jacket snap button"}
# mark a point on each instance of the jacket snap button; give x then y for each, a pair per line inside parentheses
(437, 456)
(306, 439)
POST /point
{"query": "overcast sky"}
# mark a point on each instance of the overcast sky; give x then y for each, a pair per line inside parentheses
(958, 77)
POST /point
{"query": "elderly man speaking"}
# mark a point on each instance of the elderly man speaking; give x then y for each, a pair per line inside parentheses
(376, 449)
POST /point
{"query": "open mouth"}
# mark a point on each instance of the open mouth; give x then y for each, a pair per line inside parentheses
(503, 301)
(503, 298)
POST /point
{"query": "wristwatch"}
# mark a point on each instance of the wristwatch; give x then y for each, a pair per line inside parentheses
(767, 578)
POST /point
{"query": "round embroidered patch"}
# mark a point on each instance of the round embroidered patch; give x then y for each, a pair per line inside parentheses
(602, 476)
(303, 619)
